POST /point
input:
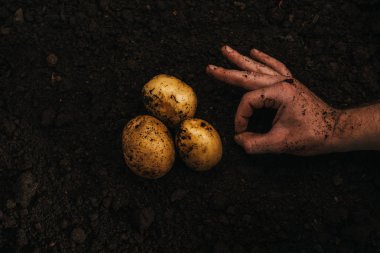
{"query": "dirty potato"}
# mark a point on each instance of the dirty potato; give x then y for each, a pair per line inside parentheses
(199, 144)
(148, 147)
(169, 99)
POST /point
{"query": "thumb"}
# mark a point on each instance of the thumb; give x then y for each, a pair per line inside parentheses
(255, 143)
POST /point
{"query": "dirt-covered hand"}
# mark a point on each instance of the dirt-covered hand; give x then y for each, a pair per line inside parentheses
(303, 124)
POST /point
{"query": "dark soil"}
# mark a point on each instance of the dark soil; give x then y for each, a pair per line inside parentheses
(64, 186)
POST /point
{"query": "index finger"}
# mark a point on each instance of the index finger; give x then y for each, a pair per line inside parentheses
(270, 97)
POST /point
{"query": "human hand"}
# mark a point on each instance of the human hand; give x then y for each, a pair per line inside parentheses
(303, 125)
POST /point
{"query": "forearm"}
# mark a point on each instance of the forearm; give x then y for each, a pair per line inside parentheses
(357, 129)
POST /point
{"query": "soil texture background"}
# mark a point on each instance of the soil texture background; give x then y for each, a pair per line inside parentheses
(71, 74)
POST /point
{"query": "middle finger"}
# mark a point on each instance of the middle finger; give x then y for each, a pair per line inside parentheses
(245, 79)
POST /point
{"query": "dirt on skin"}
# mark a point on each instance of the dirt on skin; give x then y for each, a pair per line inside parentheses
(71, 74)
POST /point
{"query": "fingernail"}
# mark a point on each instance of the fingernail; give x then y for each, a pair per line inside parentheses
(213, 67)
(254, 50)
(228, 49)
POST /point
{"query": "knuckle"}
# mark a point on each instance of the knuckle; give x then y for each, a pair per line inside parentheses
(246, 97)
(238, 122)
(245, 77)
(288, 89)
(282, 66)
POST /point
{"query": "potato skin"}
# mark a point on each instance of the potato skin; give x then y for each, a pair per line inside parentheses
(199, 144)
(148, 147)
(169, 99)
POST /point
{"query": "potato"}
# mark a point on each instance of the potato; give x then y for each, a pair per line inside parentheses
(199, 144)
(169, 99)
(148, 147)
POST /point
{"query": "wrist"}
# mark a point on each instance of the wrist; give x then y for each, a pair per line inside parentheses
(356, 129)
(340, 137)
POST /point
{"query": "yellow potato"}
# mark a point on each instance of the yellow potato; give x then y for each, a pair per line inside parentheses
(169, 99)
(148, 147)
(199, 144)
